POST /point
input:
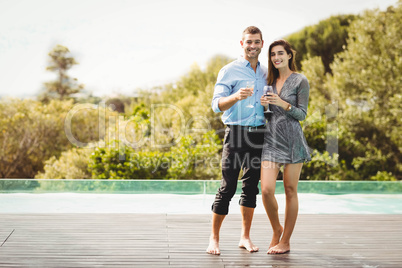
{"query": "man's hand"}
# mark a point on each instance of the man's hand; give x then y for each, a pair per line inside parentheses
(244, 93)
(227, 102)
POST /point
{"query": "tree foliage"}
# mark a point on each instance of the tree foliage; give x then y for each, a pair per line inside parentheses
(324, 39)
(64, 86)
(72, 164)
(185, 160)
(367, 80)
(365, 85)
(32, 132)
(27, 127)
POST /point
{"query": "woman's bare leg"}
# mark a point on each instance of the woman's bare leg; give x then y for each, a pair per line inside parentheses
(291, 177)
(269, 173)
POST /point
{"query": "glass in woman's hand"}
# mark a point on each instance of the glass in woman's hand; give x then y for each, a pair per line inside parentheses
(266, 91)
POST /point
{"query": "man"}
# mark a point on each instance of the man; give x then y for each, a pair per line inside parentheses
(244, 136)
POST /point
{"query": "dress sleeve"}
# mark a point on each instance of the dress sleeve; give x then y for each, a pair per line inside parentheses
(299, 111)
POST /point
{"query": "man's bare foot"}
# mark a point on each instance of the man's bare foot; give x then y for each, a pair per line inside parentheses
(248, 245)
(213, 247)
(276, 238)
(281, 248)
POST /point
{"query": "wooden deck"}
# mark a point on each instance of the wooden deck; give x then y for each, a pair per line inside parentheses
(160, 240)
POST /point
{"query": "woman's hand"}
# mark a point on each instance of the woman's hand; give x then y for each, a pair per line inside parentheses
(264, 101)
(276, 100)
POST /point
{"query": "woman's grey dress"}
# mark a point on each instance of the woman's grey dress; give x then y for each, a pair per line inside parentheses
(284, 141)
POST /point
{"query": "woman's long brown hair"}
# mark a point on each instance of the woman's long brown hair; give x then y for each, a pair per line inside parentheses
(273, 73)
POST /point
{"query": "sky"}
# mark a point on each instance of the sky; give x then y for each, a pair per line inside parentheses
(124, 45)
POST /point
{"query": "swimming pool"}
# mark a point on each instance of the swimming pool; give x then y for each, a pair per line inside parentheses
(188, 196)
(191, 204)
(187, 187)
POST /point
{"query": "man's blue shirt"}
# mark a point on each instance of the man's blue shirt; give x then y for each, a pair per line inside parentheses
(231, 78)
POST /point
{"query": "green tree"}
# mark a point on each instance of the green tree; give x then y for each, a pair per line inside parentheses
(324, 39)
(60, 62)
(32, 132)
(367, 83)
(27, 129)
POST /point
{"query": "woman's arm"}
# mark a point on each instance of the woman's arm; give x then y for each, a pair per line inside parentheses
(299, 111)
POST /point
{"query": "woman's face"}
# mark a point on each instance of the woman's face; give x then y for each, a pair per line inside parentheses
(279, 57)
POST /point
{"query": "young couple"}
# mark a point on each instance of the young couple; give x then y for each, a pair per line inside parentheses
(258, 146)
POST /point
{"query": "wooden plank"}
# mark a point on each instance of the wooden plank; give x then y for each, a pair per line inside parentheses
(169, 240)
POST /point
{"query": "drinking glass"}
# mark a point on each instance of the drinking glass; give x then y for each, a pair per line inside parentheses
(266, 90)
(250, 84)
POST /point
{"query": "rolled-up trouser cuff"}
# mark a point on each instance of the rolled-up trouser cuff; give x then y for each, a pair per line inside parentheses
(248, 204)
(225, 210)
(220, 211)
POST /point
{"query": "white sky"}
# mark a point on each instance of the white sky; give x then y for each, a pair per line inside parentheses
(122, 45)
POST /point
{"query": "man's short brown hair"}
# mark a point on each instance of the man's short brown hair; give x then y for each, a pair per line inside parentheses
(251, 30)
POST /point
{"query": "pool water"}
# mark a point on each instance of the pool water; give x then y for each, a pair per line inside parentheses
(188, 196)
(191, 204)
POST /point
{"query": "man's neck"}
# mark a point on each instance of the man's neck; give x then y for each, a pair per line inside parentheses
(253, 63)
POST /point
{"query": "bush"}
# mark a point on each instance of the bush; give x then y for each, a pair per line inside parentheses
(324, 166)
(117, 165)
(383, 176)
(72, 164)
(33, 132)
(185, 160)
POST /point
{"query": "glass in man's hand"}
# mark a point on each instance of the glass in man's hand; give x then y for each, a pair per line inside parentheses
(266, 91)
(250, 85)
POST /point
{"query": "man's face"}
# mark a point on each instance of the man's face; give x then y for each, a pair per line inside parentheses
(252, 45)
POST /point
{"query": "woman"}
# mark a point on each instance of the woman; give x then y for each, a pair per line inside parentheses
(284, 141)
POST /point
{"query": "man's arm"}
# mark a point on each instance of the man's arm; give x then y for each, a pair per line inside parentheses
(226, 102)
(223, 99)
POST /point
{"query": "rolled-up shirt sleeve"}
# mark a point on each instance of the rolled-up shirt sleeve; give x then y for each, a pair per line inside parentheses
(299, 111)
(222, 89)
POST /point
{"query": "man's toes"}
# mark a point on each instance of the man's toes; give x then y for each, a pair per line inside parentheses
(252, 248)
(213, 251)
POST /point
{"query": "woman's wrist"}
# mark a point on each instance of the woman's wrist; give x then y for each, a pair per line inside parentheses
(284, 105)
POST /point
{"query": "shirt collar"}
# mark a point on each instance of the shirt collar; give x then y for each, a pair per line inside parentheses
(246, 62)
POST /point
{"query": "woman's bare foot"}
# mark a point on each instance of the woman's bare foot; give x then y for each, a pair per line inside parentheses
(276, 238)
(281, 248)
(213, 247)
(248, 245)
